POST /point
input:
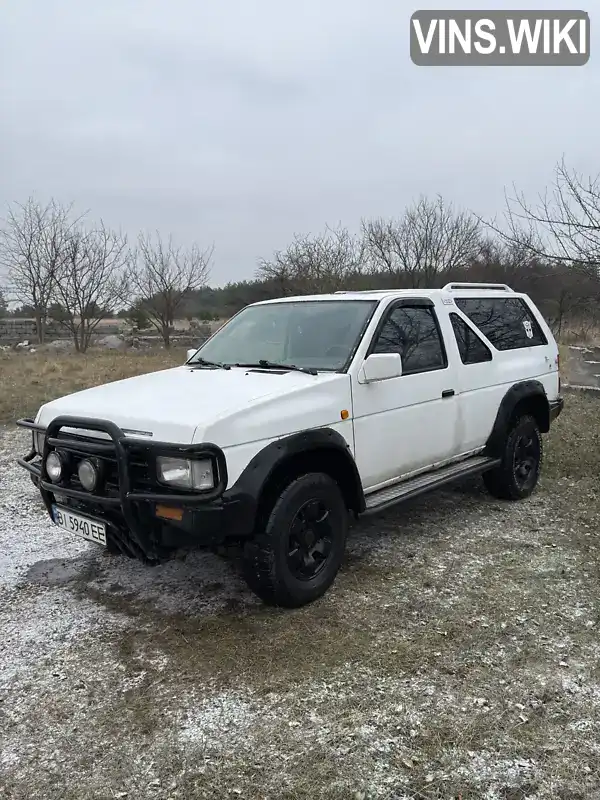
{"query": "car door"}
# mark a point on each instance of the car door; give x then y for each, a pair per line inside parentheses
(477, 390)
(407, 423)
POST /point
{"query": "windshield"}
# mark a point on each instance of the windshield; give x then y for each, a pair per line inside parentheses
(318, 334)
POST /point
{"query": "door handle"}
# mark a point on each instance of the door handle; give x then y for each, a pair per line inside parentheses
(447, 393)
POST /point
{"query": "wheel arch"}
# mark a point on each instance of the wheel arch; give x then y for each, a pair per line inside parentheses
(275, 466)
(526, 397)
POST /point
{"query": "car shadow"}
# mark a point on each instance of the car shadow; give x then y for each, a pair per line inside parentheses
(201, 583)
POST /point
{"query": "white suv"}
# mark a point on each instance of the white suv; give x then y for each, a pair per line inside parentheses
(295, 412)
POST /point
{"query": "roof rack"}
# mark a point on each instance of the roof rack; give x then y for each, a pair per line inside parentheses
(365, 291)
(497, 287)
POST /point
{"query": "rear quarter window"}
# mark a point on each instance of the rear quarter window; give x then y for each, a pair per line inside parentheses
(472, 349)
(506, 321)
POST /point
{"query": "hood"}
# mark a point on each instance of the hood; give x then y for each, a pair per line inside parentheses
(171, 404)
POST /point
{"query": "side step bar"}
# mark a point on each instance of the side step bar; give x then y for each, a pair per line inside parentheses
(385, 498)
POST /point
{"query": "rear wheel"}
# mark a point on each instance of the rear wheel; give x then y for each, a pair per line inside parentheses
(517, 475)
(294, 559)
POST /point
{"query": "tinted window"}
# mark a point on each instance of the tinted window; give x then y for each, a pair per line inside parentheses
(507, 322)
(413, 332)
(472, 349)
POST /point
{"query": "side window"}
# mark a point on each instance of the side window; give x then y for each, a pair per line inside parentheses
(413, 332)
(472, 349)
(506, 321)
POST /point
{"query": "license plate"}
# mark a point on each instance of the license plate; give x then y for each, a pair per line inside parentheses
(81, 526)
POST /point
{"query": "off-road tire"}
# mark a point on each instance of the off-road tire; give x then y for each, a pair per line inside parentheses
(267, 554)
(505, 481)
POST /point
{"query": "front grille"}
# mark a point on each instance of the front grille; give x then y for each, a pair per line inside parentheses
(127, 507)
(141, 471)
(136, 460)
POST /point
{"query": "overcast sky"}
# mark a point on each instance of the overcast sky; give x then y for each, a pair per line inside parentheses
(240, 123)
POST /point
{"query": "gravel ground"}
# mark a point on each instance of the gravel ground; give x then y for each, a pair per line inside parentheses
(456, 657)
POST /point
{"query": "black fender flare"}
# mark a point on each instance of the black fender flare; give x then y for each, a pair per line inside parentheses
(525, 390)
(249, 486)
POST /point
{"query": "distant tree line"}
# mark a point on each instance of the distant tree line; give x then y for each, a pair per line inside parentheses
(549, 249)
(60, 268)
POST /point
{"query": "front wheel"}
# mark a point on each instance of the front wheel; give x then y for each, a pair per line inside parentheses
(295, 558)
(517, 475)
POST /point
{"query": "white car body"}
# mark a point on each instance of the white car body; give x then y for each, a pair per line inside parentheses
(399, 393)
(395, 427)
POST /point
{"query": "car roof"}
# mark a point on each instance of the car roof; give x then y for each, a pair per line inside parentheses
(450, 290)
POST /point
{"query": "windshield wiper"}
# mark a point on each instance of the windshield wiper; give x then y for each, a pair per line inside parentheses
(264, 364)
(202, 362)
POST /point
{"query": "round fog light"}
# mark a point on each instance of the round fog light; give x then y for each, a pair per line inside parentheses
(54, 467)
(88, 475)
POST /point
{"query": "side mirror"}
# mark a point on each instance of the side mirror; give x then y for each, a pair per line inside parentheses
(381, 367)
(190, 353)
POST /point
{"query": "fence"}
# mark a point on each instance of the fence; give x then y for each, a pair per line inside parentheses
(22, 329)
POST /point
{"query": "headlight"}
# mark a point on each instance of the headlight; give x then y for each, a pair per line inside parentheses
(54, 467)
(88, 474)
(185, 473)
(38, 442)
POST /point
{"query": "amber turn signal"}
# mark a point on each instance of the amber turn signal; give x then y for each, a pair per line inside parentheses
(344, 414)
(167, 512)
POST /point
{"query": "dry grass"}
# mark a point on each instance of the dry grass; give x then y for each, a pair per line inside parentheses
(580, 334)
(29, 379)
(456, 657)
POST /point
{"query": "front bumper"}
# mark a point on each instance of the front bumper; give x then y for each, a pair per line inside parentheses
(132, 512)
(556, 407)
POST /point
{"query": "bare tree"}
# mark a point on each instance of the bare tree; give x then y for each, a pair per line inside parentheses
(429, 242)
(505, 262)
(323, 263)
(163, 276)
(90, 283)
(563, 225)
(32, 249)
